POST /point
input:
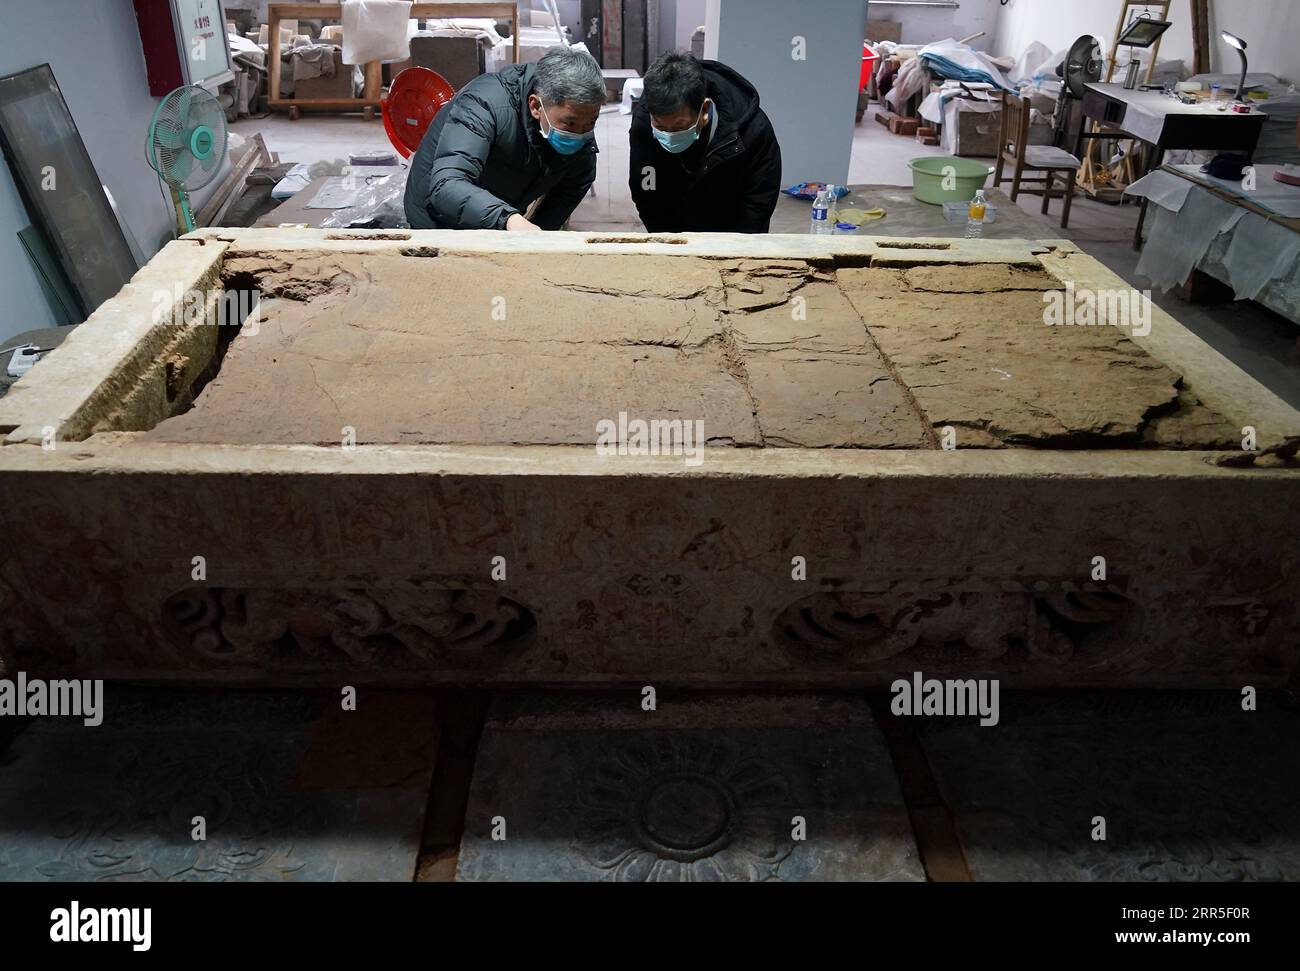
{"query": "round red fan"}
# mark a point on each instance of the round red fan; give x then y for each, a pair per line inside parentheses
(414, 99)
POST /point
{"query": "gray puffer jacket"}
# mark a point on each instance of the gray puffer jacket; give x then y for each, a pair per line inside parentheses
(484, 159)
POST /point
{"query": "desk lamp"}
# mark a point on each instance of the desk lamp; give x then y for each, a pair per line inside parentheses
(1232, 40)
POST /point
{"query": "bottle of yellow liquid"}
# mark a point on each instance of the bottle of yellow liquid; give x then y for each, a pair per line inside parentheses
(975, 216)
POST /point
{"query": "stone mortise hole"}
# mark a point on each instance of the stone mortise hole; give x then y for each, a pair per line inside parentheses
(670, 240)
(906, 244)
(367, 235)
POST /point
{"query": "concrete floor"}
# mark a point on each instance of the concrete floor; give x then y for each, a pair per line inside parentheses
(314, 137)
(1264, 344)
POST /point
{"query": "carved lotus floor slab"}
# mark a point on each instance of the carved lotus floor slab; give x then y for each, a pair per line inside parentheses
(701, 790)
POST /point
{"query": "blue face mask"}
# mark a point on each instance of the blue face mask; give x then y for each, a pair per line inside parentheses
(564, 142)
(679, 141)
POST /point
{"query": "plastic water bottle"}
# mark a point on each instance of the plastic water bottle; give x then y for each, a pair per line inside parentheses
(975, 216)
(822, 222)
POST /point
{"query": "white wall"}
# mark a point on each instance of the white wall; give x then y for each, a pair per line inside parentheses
(690, 15)
(921, 25)
(94, 51)
(811, 102)
(1270, 27)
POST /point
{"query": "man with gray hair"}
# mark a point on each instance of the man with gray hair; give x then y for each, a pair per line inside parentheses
(507, 139)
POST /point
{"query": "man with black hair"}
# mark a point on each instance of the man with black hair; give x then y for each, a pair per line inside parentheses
(703, 155)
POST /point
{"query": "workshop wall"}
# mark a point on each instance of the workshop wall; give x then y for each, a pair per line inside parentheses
(810, 101)
(922, 24)
(1057, 23)
(95, 53)
(687, 16)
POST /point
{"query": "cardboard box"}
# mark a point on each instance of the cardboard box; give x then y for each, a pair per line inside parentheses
(339, 86)
(971, 128)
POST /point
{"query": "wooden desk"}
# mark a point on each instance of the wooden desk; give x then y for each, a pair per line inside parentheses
(1164, 124)
(369, 99)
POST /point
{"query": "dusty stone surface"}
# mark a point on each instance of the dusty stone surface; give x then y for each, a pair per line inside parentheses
(972, 347)
(512, 349)
(470, 350)
(816, 378)
(702, 792)
(415, 351)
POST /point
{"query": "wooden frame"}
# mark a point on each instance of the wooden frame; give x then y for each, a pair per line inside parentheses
(370, 96)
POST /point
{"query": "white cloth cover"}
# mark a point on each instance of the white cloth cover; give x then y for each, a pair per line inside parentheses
(934, 106)
(376, 30)
(1035, 61)
(911, 78)
(1045, 155)
(969, 59)
(1259, 253)
(632, 88)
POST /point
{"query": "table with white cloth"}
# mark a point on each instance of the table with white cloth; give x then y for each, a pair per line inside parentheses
(633, 88)
(1166, 124)
(1246, 238)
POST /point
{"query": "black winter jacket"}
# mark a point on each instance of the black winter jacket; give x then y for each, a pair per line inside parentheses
(727, 185)
(484, 159)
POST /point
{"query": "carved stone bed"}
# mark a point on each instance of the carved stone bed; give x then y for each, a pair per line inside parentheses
(388, 474)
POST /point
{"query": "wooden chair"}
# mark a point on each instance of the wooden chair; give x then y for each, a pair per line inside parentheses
(1054, 163)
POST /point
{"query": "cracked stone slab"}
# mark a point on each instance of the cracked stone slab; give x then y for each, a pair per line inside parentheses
(825, 401)
(703, 789)
(988, 278)
(972, 347)
(759, 284)
(816, 377)
(407, 351)
(502, 349)
(291, 788)
(1191, 787)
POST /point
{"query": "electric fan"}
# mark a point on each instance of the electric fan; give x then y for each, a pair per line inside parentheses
(1082, 65)
(186, 145)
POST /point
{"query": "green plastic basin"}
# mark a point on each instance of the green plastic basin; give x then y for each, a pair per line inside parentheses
(937, 179)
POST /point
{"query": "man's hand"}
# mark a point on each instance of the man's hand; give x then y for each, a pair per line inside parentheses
(518, 224)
